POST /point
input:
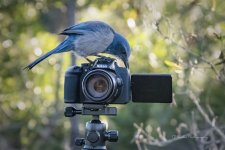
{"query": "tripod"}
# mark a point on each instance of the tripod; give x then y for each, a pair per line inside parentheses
(95, 132)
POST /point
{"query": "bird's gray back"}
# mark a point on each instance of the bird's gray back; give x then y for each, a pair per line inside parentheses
(88, 25)
(92, 37)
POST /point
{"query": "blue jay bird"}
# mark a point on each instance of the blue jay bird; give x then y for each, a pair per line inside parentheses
(90, 38)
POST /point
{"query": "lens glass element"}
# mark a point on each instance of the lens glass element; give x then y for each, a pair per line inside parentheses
(97, 86)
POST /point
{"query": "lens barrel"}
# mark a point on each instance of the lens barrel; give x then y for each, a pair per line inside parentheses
(99, 85)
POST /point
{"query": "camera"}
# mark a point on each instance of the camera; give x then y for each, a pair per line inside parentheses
(105, 82)
(100, 82)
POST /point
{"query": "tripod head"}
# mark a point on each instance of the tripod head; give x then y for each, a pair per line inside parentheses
(90, 109)
(96, 133)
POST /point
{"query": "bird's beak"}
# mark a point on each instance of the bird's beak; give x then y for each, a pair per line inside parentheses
(125, 61)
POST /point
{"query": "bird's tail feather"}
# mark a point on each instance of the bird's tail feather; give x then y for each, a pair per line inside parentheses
(37, 61)
(63, 47)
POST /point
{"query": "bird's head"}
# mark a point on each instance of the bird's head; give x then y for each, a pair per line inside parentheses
(120, 48)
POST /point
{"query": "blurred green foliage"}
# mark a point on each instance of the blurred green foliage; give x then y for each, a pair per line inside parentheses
(184, 38)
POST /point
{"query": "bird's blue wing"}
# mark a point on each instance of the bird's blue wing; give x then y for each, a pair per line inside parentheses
(80, 28)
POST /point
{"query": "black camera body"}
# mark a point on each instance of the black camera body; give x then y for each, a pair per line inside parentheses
(103, 82)
(100, 82)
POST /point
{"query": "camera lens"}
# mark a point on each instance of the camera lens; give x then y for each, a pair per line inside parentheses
(99, 85)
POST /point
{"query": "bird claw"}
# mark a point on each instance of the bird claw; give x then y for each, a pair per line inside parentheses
(103, 57)
(97, 55)
(90, 61)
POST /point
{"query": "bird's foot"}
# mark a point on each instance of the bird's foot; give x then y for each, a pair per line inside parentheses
(98, 55)
(90, 61)
(102, 56)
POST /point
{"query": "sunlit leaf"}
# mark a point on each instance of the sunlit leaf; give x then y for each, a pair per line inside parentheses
(173, 65)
